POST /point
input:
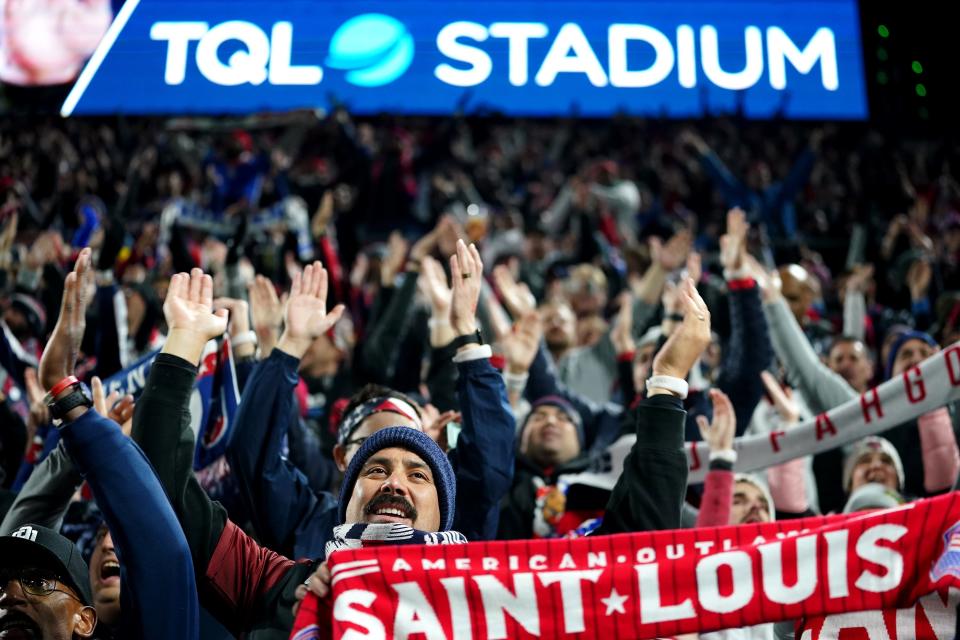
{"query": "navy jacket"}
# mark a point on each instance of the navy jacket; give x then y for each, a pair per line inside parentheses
(290, 517)
(158, 595)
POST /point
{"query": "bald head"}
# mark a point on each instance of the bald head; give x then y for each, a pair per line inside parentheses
(799, 289)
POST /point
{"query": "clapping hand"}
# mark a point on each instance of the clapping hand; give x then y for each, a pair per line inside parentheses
(60, 355)
(689, 340)
(718, 433)
(191, 320)
(306, 314)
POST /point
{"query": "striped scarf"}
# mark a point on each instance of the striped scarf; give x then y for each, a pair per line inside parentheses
(313, 618)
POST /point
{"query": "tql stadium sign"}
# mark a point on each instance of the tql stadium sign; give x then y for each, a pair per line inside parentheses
(797, 59)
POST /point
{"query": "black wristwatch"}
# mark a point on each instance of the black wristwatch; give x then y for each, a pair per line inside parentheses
(470, 338)
(79, 396)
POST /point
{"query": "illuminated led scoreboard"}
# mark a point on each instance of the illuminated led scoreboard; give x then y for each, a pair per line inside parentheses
(676, 59)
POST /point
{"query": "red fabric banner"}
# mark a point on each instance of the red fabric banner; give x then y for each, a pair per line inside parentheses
(645, 585)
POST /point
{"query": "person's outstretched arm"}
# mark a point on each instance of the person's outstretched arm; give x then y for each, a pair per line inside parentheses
(278, 494)
(484, 455)
(749, 351)
(244, 585)
(649, 494)
(159, 605)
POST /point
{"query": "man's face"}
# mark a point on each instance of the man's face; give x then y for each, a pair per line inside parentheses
(559, 326)
(550, 437)
(343, 454)
(911, 353)
(796, 290)
(105, 578)
(852, 362)
(395, 486)
(642, 362)
(875, 466)
(56, 616)
(749, 504)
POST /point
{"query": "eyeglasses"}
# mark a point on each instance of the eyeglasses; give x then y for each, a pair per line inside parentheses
(35, 582)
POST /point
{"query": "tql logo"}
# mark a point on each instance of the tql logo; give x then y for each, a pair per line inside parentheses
(374, 49)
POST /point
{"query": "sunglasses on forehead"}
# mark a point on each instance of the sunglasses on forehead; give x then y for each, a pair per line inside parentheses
(377, 405)
(34, 581)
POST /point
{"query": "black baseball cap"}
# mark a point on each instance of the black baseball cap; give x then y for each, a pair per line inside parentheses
(33, 545)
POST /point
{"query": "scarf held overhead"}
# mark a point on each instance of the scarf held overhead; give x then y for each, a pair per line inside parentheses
(921, 389)
(656, 584)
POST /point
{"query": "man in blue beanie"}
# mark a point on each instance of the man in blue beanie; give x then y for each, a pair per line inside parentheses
(908, 350)
(399, 476)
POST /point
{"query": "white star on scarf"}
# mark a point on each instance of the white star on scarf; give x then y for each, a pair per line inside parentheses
(614, 602)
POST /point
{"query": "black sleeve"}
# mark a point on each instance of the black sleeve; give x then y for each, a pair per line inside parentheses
(649, 494)
(161, 426)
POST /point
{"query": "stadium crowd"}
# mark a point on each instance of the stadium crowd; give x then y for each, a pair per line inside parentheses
(435, 325)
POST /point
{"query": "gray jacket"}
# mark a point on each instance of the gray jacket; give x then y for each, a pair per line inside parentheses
(46, 495)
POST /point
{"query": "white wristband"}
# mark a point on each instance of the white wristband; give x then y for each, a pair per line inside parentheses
(247, 337)
(516, 382)
(678, 386)
(736, 274)
(728, 455)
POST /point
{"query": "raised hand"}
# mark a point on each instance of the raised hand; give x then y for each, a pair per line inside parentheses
(516, 296)
(396, 254)
(435, 423)
(60, 355)
(466, 271)
(424, 246)
(266, 311)
(239, 323)
(520, 345)
(860, 278)
(733, 244)
(433, 283)
(306, 314)
(719, 433)
(46, 249)
(622, 333)
(671, 255)
(36, 395)
(689, 340)
(239, 310)
(191, 320)
(782, 398)
(113, 406)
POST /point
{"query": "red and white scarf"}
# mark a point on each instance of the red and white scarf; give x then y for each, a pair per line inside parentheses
(827, 572)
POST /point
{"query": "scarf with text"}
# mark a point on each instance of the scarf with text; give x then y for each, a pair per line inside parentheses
(313, 616)
(901, 565)
(933, 383)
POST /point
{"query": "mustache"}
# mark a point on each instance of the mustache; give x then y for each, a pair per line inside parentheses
(390, 500)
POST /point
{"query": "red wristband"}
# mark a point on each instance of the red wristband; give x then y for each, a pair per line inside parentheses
(63, 384)
(626, 356)
(741, 284)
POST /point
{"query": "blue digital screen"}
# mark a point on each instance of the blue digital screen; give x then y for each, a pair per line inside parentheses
(676, 59)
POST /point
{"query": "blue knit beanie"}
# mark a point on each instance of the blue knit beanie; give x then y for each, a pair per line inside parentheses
(420, 444)
(900, 341)
(564, 405)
